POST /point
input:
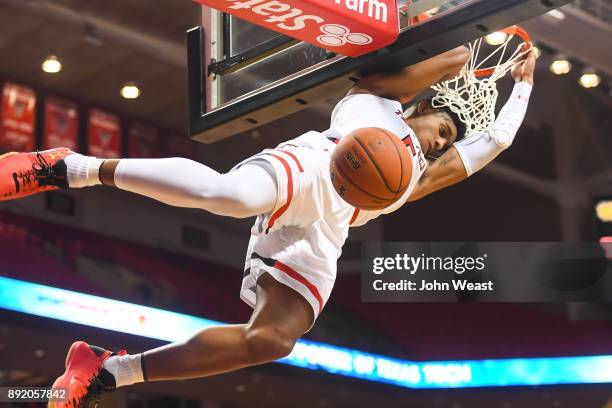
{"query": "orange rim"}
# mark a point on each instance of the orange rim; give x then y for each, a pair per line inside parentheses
(512, 30)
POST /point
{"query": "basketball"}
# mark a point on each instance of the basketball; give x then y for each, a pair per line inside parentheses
(371, 168)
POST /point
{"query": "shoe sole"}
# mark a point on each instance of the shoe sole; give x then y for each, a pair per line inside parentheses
(2, 156)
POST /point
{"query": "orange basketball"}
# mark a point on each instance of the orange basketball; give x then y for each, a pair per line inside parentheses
(371, 168)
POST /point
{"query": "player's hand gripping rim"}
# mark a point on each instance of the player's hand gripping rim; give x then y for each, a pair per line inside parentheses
(524, 69)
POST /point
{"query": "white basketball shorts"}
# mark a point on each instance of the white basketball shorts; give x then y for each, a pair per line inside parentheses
(300, 241)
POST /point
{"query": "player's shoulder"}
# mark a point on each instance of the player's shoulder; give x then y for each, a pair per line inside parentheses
(365, 103)
(361, 95)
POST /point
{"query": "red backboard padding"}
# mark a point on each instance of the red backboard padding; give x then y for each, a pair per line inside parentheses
(348, 27)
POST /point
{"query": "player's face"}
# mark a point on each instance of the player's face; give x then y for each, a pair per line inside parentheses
(435, 130)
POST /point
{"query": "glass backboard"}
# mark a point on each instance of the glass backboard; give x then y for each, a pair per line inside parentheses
(254, 76)
(248, 57)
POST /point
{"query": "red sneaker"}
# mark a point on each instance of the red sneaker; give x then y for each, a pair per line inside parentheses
(24, 174)
(85, 379)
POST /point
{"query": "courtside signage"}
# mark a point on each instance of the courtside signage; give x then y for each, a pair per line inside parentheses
(95, 311)
(347, 27)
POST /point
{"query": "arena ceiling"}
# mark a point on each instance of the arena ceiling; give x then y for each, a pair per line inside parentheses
(103, 44)
(96, 64)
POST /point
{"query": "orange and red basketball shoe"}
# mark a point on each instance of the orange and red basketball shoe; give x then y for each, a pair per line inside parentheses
(24, 174)
(85, 379)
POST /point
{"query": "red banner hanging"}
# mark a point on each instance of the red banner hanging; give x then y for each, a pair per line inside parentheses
(104, 134)
(61, 124)
(144, 141)
(17, 118)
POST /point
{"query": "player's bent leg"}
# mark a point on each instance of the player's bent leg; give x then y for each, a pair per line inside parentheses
(280, 318)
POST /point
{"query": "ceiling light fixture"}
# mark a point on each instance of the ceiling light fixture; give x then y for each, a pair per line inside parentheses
(130, 91)
(496, 38)
(589, 79)
(51, 65)
(560, 66)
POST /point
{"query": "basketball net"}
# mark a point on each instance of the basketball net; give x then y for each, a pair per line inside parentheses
(472, 94)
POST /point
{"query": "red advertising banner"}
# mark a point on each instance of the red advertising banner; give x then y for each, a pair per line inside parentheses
(61, 124)
(347, 27)
(144, 141)
(17, 118)
(104, 134)
(180, 146)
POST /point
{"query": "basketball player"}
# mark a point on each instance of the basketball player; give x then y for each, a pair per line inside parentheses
(301, 222)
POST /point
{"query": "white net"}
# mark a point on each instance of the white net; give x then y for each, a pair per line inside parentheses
(472, 95)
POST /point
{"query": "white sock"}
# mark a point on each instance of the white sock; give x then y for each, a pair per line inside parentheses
(83, 171)
(127, 369)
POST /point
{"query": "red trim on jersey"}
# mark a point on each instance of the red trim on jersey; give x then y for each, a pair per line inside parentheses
(408, 142)
(296, 275)
(354, 217)
(295, 159)
(284, 208)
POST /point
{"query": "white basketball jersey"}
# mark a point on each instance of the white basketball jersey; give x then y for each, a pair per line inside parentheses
(366, 110)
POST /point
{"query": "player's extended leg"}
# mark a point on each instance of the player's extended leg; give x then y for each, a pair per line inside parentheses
(280, 318)
(245, 192)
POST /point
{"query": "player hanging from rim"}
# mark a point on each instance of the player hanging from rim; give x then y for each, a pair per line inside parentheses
(301, 223)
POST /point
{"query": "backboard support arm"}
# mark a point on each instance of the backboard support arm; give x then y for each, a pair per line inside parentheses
(195, 78)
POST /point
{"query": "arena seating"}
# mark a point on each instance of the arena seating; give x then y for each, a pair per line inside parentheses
(75, 259)
(54, 253)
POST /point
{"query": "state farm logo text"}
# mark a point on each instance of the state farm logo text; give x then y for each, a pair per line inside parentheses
(375, 9)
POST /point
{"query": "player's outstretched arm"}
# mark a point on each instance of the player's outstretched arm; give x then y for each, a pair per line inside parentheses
(473, 153)
(406, 84)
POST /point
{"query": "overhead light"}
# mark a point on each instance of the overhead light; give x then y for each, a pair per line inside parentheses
(603, 209)
(51, 65)
(560, 66)
(130, 91)
(558, 14)
(536, 50)
(496, 38)
(589, 79)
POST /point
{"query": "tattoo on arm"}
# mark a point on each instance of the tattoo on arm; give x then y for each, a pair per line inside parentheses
(445, 171)
(445, 161)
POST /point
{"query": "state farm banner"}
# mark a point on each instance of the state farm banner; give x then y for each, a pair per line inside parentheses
(179, 145)
(144, 141)
(61, 124)
(348, 27)
(104, 134)
(17, 118)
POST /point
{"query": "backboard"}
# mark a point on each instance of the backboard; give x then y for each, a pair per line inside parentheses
(248, 56)
(255, 76)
